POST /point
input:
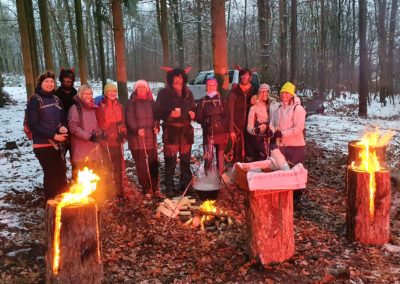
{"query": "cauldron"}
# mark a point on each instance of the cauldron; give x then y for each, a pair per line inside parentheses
(207, 187)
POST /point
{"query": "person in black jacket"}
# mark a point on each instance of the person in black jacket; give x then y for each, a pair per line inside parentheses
(175, 107)
(142, 130)
(213, 115)
(66, 91)
(47, 120)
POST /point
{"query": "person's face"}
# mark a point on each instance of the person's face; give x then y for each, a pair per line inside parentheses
(48, 85)
(141, 91)
(87, 95)
(211, 86)
(177, 83)
(285, 97)
(245, 79)
(263, 95)
(67, 83)
(112, 95)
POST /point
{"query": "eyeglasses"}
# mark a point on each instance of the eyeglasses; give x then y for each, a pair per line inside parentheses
(88, 94)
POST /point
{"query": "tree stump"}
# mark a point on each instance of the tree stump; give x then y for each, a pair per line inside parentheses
(80, 259)
(269, 221)
(354, 151)
(361, 225)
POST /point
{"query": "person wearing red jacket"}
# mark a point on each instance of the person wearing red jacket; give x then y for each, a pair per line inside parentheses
(111, 120)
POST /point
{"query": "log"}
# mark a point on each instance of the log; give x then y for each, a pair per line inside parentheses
(269, 220)
(80, 256)
(361, 225)
(354, 151)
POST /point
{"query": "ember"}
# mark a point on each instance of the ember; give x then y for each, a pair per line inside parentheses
(78, 194)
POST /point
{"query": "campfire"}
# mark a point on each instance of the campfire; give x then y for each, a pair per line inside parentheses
(72, 228)
(209, 217)
(368, 189)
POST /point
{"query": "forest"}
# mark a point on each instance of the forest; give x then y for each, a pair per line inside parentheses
(316, 43)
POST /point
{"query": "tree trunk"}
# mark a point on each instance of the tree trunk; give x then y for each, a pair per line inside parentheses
(162, 21)
(219, 45)
(89, 55)
(100, 40)
(293, 43)
(71, 34)
(264, 16)
(179, 32)
(322, 52)
(26, 51)
(119, 40)
(363, 87)
(244, 32)
(81, 39)
(362, 226)
(62, 50)
(282, 42)
(338, 51)
(46, 35)
(391, 44)
(382, 51)
(199, 38)
(80, 259)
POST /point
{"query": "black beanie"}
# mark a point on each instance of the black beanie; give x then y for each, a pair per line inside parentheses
(67, 73)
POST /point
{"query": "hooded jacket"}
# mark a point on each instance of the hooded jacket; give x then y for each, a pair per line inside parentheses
(82, 123)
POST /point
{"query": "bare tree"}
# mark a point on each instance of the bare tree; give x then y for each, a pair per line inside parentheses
(46, 35)
(82, 42)
(162, 22)
(293, 42)
(282, 41)
(363, 89)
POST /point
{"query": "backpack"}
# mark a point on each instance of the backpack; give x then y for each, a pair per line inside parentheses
(27, 129)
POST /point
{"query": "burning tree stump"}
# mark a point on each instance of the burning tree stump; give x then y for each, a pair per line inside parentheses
(368, 193)
(269, 220)
(79, 246)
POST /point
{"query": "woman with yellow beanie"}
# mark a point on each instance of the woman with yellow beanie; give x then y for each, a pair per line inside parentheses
(111, 120)
(287, 123)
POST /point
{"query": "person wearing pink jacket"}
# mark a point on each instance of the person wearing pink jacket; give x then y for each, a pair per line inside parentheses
(287, 122)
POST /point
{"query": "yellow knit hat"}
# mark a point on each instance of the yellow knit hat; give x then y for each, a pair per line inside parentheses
(289, 87)
(109, 87)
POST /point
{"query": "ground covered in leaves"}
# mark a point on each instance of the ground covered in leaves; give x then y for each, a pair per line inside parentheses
(139, 247)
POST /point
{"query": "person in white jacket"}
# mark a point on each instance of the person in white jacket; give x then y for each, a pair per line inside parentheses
(258, 124)
(287, 122)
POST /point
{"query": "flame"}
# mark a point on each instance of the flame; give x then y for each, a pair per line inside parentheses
(369, 161)
(78, 194)
(208, 206)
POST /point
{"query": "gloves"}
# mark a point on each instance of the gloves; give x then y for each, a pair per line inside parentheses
(278, 134)
(95, 137)
(269, 133)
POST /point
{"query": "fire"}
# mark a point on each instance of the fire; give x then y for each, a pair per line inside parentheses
(369, 161)
(78, 194)
(208, 206)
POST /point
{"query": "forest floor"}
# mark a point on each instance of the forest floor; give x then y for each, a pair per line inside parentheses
(139, 247)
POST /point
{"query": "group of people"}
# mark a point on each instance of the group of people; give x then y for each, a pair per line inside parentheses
(245, 126)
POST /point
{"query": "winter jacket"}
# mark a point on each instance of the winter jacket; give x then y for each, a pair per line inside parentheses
(139, 114)
(239, 105)
(67, 98)
(82, 123)
(290, 119)
(258, 114)
(110, 115)
(45, 117)
(176, 131)
(213, 115)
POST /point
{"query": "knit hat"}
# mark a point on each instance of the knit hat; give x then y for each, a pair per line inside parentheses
(67, 73)
(44, 76)
(288, 87)
(263, 87)
(141, 83)
(109, 87)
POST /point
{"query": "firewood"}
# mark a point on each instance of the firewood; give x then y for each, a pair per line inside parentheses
(80, 259)
(185, 213)
(167, 212)
(215, 214)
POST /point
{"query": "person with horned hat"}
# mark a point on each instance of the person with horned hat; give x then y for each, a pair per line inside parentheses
(66, 91)
(239, 105)
(175, 106)
(143, 128)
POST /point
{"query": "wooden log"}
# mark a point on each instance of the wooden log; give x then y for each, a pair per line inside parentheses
(80, 258)
(269, 220)
(361, 225)
(354, 152)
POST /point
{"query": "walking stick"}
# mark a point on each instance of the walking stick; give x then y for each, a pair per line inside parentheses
(147, 164)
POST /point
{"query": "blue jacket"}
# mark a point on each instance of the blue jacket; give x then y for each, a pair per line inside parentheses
(45, 116)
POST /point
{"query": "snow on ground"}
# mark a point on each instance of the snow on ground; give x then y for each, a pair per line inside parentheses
(20, 170)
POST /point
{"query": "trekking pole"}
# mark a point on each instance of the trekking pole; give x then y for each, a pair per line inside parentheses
(147, 164)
